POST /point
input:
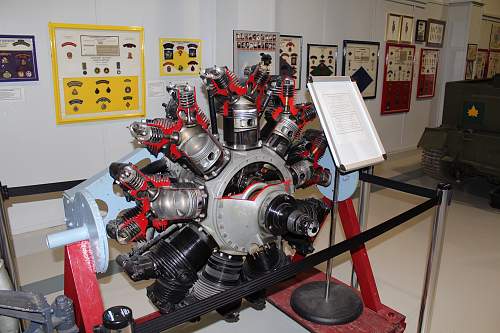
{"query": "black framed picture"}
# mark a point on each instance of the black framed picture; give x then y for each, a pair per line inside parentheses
(420, 31)
(435, 33)
(361, 64)
(321, 60)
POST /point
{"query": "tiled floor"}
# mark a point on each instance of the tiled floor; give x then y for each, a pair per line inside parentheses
(468, 287)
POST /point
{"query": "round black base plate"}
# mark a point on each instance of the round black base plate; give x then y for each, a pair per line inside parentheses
(343, 306)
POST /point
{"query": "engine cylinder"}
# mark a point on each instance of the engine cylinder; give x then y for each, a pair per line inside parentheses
(241, 125)
(177, 260)
(181, 201)
(205, 154)
(282, 136)
(221, 272)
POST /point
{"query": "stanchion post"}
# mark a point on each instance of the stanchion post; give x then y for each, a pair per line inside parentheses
(7, 245)
(333, 228)
(363, 206)
(434, 259)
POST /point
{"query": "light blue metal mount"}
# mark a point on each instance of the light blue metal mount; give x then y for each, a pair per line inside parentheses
(347, 183)
(84, 219)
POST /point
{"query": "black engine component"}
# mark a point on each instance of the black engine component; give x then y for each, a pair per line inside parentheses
(284, 216)
(174, 261)
(222, 272)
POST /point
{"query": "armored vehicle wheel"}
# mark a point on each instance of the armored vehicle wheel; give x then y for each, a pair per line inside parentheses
(432, 164)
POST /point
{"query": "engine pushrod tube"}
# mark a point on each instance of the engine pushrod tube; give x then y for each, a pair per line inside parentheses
(204, 306)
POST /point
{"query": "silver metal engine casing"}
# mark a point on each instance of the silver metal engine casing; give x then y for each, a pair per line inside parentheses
(234, 222)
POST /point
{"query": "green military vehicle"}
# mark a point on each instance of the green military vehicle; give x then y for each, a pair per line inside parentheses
(468, 141)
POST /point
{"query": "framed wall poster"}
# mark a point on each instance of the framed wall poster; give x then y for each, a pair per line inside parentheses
(393, 27)
(493, 64)
(495, 37)
(398, 77)
(249, 46)
(321, 60)
(427, 73)
(291, 57)
(406, 35)
(435, 33)
(98, 72)
(180, 56)
(361, 64)
(470, 61)
(481, 63)
(420, 31)
(18, 58)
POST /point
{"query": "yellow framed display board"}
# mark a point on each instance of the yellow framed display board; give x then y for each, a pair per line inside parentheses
(180, 56)
(98, 72)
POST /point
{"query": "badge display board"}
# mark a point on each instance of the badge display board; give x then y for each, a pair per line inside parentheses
(398, 76)
(321, 60)
(180, 56)
(361, 64)
(427, 73)
(291, 58)
(248, 47)
(493, 64)
(351, 135)
(98, 72)
(481, 63)
(17, 58)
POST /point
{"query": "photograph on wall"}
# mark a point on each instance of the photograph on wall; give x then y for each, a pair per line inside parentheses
(493, 64)
(495, 37)
(291, 58)
(98, 72)
(180, 56)
(406, 35)
(393, 27)
(435, 33)
(481, 63)
(250, 47)
(427, 73)
(420, 31)
(398, 75)
(321, 60)
(18, 58)
(361, 64)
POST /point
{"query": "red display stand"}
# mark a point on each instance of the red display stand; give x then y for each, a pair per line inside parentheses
(376, 317)
(385, 320)
(81, 285)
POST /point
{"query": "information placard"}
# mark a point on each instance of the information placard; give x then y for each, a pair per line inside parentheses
(351, 135)
(98, 72)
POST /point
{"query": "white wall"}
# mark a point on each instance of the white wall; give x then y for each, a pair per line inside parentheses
(34, 149)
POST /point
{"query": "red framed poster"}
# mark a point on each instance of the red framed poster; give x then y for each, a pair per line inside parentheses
(398, 77)
(427, 73)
